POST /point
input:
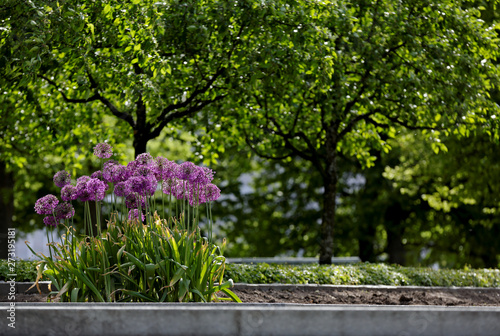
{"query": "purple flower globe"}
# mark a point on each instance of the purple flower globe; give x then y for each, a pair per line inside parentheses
(103, 150)
(64, 211)
(46, 204)
(62, 178)
(69, 193)
(50, 221)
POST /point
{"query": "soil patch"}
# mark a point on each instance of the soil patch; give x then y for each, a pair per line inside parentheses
(371, 295)
(347, 295)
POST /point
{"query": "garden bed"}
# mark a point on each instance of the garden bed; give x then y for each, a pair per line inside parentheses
(359, 295)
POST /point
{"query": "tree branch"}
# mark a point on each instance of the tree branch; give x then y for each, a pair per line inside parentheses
(97, 96)
(411, 127)
(69, 100)
(179, 114)
(354, 121)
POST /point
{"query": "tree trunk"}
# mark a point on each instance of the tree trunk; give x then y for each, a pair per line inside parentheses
(330, 180)
(328, 222)
(6, 206)
(394, 226)
(140, 143)
(366, 244)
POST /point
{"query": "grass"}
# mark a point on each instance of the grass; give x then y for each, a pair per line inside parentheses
(355, 274)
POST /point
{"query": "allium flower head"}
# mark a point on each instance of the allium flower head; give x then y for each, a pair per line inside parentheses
(97, 175)
(82, 179)
(114, 173)
(144, 185)
(110, 163)
(69, 193)
(180, 190)
(97, 189)
(133, 199)
(50, 221)
(171, 171)
(168, 186)
(64, 211)
(122, 189)
(205, 176)
(134, 214)
(212, 192)
(188, 171)
(164, 169)
(144, 159)
(103, 150)
(81, 188)
(144, 171)
(46, 204)
(62, 178)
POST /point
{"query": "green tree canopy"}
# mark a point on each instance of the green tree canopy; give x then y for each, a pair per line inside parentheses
(345, 76)
(147, 63)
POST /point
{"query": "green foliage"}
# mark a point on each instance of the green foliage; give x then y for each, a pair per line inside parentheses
(357, 274)
(25, 270)
(136, 262)
(339, 79)
(362, 274)
(451, 199)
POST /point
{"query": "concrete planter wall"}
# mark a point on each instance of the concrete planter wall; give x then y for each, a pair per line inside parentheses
(241, 319)
(247, 319)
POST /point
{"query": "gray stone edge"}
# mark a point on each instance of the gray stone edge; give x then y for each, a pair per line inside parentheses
(247, 319)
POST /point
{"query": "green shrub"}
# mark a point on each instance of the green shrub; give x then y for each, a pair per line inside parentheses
(362, 274)
(356, 274)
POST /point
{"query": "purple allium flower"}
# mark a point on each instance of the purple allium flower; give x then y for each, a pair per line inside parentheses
(82, 179)
(114, 173)
(138, 184)
(110, 163)
(188, 171)
(132, 201)
(122, 189)
(103, 150)
(144, 159)
(69, 193)
(50, 221)
(160, 165)
(64, 211)
(97, 189)
(144, 171)
(165, 169)
(205, 176)
(84, 195)
(168, 186)
(180, 190)
(152, 185)
(134, 214)
(212, 192)
(62, 178)
(46, 204)
(81, 188)
(97, 175)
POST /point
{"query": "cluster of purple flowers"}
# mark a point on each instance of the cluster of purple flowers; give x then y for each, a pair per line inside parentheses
(49, 205)
(140, 179)
(134, 182)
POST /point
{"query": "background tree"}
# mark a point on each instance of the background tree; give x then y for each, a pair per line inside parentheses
(147, 63)
(455, 195)
(366, 70)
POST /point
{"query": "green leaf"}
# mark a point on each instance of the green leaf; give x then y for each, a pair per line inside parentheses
(106, 9)
(231, 294)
